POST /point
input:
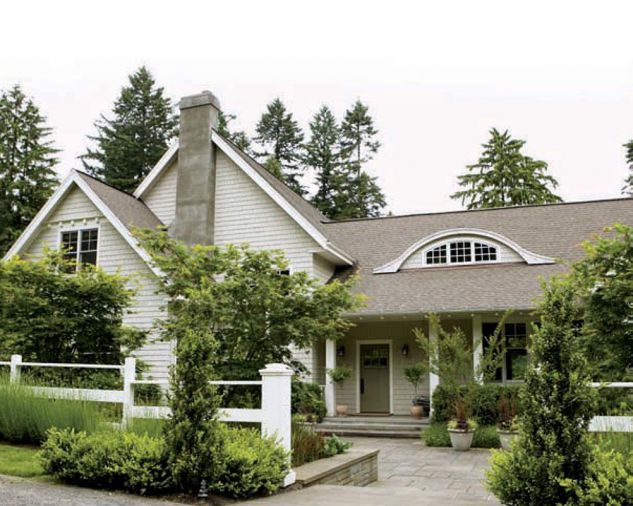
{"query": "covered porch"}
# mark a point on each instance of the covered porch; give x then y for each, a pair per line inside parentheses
(379, 349)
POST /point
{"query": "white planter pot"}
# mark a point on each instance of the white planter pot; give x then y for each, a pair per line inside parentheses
(461, 440)
(506, 438)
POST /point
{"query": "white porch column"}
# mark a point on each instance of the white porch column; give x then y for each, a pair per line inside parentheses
(478, 349)
(434, 379)
(330, 363)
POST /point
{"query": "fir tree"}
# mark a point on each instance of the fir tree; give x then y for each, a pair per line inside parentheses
(358, 146)
(27, 161)
(505, 177)
(627, 189)
(130, 144)
(323, 156)
(239, 138)
(281, 139)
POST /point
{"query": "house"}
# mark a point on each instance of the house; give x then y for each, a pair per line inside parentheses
(467, 266)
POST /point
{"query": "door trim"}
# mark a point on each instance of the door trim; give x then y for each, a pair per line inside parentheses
(374, 341)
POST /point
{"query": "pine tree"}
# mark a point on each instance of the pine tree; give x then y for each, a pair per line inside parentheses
(627, 189)
(323, 156)
(239, 138)
(281, 139)
(358, 146)
(27, 161)
(130, 144)
(505, 177)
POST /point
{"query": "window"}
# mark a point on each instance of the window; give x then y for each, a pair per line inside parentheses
(461, 252)
(80, 245)
(515, 363)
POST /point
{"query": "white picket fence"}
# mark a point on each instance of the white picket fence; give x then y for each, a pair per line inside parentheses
(274, 416)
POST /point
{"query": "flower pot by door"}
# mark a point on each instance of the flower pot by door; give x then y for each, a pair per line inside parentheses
(341, 409)
(461, 440)
(416, 411)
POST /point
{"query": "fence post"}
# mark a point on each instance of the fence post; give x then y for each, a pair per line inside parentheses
(129, 375)
(16, 363)
(276, 397)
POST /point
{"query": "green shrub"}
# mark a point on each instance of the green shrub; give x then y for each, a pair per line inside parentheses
(251, 465)
(485, 403)
(307, 444)
(621, 442)
(486, 437)
(107, 459)
(25, 417)
(436, 435)
(335, 445)
(307, 400)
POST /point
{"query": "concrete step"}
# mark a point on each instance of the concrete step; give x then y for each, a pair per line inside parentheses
(376, 421)
(370, 432)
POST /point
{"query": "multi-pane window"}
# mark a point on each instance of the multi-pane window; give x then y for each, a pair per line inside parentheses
(80, 246)
(515, 339)
(461, 252)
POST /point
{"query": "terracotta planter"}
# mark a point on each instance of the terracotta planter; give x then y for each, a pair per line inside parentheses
(506, 437)
(341, 409)
(416, 411)
(460, 439)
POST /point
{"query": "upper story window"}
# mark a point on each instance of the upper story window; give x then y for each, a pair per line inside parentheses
(461, 252)
(80, 246)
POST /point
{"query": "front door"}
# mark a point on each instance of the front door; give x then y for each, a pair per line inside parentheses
(374, 378)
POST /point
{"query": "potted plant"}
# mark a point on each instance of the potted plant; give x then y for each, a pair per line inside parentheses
(461, 428)
(414, 375)
(507, 426)
(339, 375)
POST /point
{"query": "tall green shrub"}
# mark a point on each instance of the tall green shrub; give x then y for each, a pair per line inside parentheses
(553, 451)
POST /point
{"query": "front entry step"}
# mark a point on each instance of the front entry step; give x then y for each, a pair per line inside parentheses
(388, 426)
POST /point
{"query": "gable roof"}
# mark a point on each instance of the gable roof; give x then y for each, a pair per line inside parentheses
(555, 231)
(121, 209)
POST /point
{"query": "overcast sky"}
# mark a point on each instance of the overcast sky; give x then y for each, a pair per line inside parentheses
(437, 75)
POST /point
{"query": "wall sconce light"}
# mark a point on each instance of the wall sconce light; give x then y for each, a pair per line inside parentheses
(341, 351)
(405, 350)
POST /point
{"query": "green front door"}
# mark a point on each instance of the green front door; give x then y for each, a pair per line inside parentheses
(374, 378)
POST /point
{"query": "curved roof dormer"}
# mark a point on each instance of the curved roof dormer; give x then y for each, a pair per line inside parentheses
(462, 246)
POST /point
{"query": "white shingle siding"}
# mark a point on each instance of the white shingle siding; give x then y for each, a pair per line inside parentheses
(161, 197)
(417, 259)
(114, 254)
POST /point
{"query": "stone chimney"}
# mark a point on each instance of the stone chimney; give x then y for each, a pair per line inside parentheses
(195, 193)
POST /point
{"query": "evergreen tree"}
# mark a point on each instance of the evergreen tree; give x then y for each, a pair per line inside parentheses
(130, 144)
(281, 139)
(627, 189)
(239, 138)
(358, 146)
(27, 161)
(323, 156)
(505, 177)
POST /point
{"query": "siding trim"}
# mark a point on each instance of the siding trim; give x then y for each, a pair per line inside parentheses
(529, 257)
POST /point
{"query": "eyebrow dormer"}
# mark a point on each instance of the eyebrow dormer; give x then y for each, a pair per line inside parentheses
(463, 246)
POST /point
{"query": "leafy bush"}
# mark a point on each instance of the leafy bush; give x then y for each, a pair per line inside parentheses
(436, 435)
(251, 465)
(25, 417)
(335, 445)
(307, 400)
(307, 444)
(108, 459)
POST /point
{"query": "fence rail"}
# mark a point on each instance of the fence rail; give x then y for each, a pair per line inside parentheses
(612, 423)
(274, 415)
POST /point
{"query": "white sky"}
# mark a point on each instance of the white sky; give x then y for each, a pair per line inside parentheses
(436, 75)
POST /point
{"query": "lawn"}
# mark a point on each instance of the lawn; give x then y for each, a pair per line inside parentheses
(20, 460)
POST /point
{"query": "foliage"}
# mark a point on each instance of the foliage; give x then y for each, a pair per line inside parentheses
(27, 161)
(508, 411)
(130, 144)
(335, 445)
(20, 461)
(281, 139)
(25, 417)
(552, 451)
(604, 279)
(340, 373)
(414, 374)
(255, 312)
(307, 400)
(192, 434)
(627, 189)
(436, 435)
(239, 138)
(462, 423)
(504, 176)
(307, 444)
(251, 465)
(108, 459)
(49, 316)
(621, 442)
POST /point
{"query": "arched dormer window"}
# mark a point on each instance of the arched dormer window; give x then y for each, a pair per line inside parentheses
(461, 252)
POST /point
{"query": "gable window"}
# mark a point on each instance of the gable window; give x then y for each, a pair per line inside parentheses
(461, 252)
(80, 246)
(515, 361)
